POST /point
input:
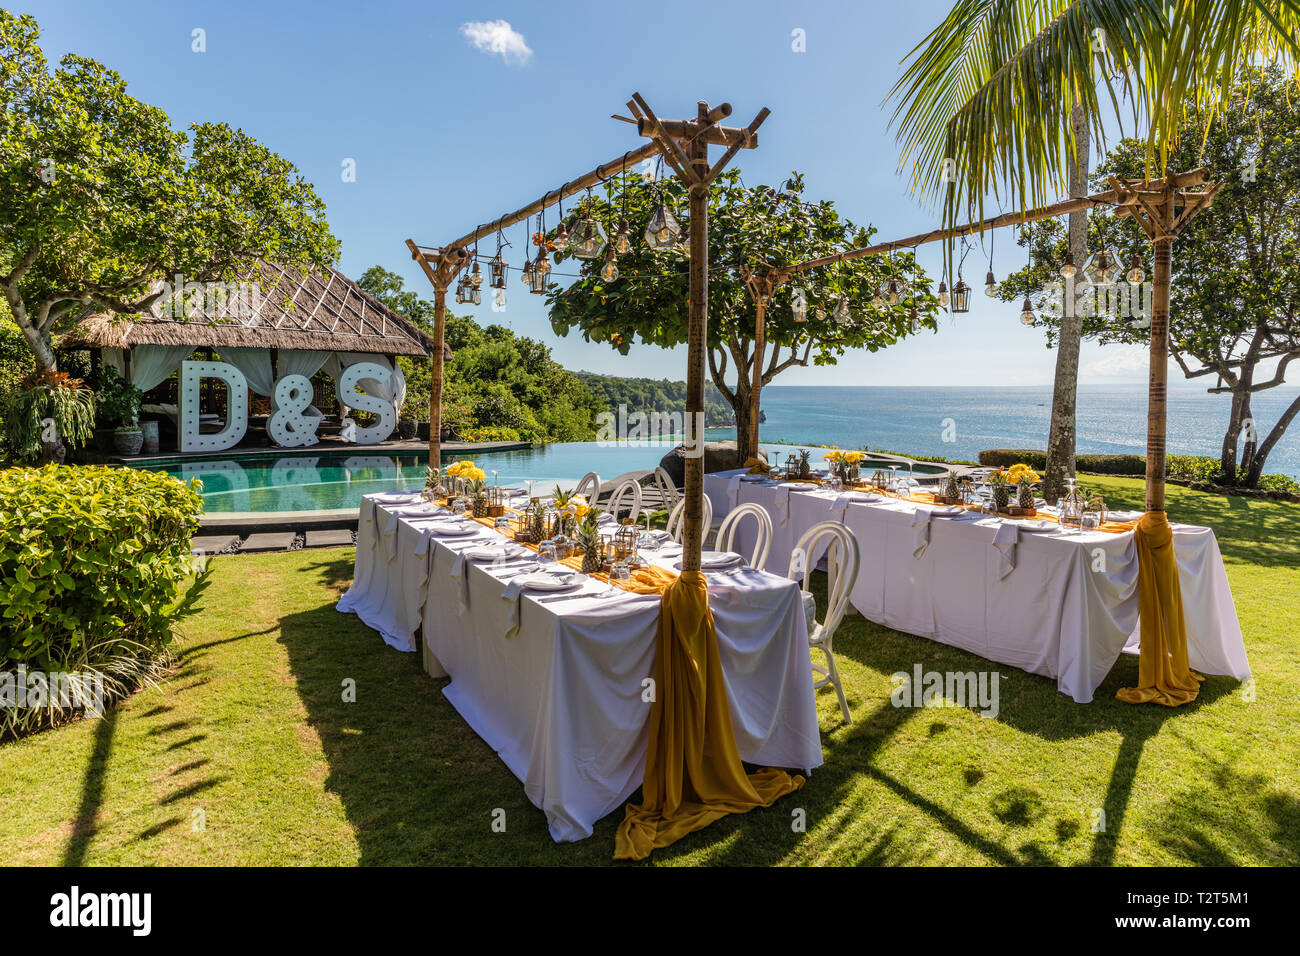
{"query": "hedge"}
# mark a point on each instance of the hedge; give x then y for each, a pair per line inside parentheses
(93, 563)
(1037, 460)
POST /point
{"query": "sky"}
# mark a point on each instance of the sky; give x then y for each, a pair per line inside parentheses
(451, 114)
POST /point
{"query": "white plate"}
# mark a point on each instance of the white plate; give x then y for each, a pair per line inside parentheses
(753, 477)
(452, 530)
(549, 582)
(950, 511)
(486, 553)
(1038, 527)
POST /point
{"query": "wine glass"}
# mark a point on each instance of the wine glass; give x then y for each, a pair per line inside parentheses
(893, 478)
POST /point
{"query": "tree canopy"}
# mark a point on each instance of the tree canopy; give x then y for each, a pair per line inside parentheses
(751, 229)
(1233, 302)
(101, 200)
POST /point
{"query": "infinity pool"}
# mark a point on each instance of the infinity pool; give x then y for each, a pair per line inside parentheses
(335, 481)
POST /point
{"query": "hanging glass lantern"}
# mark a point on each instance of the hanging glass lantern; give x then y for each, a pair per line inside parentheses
(990, 285)
(663, 231)
(609, 271)
(1135, 273)
(1101, 270)
(499, 299)
(961, 296)
(497, 272)
(623, 242)
(1068, 267)
(476, 277)
(799, 305)
(462, 290)
(541, 268)
(820, 312)
(943, 294)
(587, 241)
(1027, 312)
(527, 274)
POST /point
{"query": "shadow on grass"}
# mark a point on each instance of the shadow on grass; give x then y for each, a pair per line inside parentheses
(92, 791)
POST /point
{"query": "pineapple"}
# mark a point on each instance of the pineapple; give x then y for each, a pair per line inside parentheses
(1001, 490)
(950, 489)
(589, 540)
(477, 491)
(537, 522)
(1025, 493)
(805, 466)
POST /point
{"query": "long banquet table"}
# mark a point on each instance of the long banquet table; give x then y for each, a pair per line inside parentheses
(554, 682)
(1061, 605)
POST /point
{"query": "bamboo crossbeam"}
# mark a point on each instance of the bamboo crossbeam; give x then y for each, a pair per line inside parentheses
(592, 178)
(1109, 197)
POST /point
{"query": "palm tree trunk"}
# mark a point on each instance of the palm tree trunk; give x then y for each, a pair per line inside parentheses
(1061, 437)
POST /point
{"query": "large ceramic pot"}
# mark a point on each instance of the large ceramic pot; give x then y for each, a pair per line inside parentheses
(406, 429)
(128, 440)
(149, 430)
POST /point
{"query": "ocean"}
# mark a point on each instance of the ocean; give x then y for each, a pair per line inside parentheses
(961, 422)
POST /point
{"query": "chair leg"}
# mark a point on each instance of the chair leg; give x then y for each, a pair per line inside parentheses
(834, 674)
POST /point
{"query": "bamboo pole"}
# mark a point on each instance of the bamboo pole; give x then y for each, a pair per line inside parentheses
(435, 385)
(697, 335)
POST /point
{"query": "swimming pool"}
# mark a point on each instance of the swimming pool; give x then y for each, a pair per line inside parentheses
(260, 485)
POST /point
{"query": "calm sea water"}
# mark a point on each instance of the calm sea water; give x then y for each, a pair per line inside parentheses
(913, 419)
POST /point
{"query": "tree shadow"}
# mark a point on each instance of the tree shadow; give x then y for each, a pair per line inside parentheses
(92, 791)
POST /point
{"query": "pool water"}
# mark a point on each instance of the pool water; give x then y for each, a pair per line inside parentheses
(336, 481)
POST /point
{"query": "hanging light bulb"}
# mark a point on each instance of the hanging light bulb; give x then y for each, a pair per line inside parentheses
(1068, 267)
(527, 274)
(1101, 270)
(893, 292)
(943, 294)
(499, 298)
(961, 296)
(497, 271)
(476, 277)
(1027, 312)
(623, 243)
(561, 240)
(877, 302)
(914, 319)
(462, 290)
(820, 313)
(475, 294)
(609, 271)
(842, 309)
(663, 231)
(542, 267)
(799, 305)
(990, 285)
(1135, 273)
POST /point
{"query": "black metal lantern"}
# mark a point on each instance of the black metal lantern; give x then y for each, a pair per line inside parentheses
(497, 271)
(527, 274)
(476, 277)
(462, 290)
(943, 294)
(961, 296)
(536, 279)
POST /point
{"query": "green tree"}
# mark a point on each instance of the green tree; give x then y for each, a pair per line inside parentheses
(1232, 292)
(750, 228)
(101, 201)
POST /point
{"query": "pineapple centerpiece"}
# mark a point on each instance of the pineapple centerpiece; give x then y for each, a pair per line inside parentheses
(805, 465)
(1023, 478)
(593, 558)
(477, 490)
(1025, 493)
(1001, 490)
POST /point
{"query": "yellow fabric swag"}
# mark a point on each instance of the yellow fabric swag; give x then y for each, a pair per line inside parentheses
(1164, 676)
(693, 773)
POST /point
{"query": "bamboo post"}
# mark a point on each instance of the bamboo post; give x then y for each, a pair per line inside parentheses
(693, 530)
(435, 384)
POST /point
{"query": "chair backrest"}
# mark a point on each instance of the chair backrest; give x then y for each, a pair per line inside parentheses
(841, 567)
(677, 519)
(762, 544)
(626, 495)
(588, 487)
(668, 492)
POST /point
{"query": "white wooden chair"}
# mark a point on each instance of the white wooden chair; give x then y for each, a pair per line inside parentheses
(842, 562)
(588, 487)
(627, 494)
(727, 532)
(668, 493)
(677, 519)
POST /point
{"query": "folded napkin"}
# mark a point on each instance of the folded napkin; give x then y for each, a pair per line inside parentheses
(781, 504)
(459, 574)
(1006, 539)
(733, 490)
(841, 502)
(920, 531)
(511, 596)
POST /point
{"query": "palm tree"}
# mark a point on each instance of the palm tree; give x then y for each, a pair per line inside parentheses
(1004, 96)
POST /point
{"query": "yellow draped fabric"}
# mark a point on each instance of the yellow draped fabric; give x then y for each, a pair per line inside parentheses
(693, 773)
(758, 466)
(1163, 673)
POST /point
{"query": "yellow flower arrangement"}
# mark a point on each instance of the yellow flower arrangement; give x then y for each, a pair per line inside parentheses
(466, 469)
(1020, 472)
(849, 457)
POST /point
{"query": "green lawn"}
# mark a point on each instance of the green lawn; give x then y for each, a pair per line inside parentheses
(251, 739)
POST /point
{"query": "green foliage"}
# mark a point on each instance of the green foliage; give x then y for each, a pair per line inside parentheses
(1279, 483)
(92, 568)
(1191, 468)
(749, 228)
(26, 412)
(496, 383)
(118, 401)
(100, 197)
(663, 395)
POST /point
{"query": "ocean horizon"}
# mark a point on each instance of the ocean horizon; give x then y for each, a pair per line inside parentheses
(961, 421)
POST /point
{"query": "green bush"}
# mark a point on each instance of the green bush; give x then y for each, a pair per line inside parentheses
(1094, 464)
(1279, 483)
(1005, 457)
(92, 572)
(1192, 468)
(490, 433)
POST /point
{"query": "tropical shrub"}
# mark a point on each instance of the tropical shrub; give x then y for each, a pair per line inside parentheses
(1094, 464)
(93, 564)
(1193, 467)
(49, 397)
(117, 402)
(490, 433)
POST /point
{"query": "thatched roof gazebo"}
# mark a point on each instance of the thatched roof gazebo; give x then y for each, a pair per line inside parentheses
(269, 324)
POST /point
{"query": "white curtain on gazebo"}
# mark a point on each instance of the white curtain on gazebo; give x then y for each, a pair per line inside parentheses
(393, 391)
(256, 366)
(150, 364)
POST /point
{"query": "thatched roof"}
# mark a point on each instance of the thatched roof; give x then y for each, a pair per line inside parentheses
(283, 309)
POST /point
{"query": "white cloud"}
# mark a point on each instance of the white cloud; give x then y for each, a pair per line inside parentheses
(1119, 362)
(497, 37)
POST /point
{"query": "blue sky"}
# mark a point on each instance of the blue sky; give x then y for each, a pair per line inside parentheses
(445, 136)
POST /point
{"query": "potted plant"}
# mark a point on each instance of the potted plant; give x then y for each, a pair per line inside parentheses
(118, 407)
(51, 414)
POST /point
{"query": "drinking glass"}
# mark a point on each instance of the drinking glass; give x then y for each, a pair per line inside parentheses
(546, 553)
(620, 571)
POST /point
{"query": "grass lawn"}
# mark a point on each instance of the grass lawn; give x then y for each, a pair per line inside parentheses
(249, 755)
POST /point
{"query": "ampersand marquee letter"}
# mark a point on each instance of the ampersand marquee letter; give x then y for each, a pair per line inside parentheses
(288, 426)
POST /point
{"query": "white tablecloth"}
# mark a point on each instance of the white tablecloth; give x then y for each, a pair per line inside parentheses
(556, 689)
(1066, 610)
